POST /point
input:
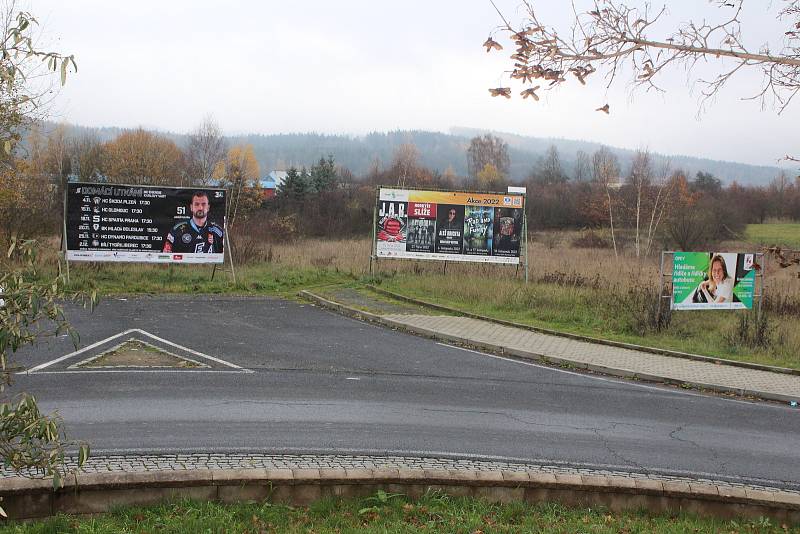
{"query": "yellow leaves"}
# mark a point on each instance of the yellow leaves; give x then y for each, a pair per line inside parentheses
(142, 157)
(241, 164)
(490, 178)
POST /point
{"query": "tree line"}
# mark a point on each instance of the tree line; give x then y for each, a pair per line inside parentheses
(645, 202)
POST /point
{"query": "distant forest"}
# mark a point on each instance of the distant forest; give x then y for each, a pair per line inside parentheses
(438, 151)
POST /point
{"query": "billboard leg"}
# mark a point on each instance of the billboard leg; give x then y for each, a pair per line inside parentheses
(213, 271)
(660, 289)
(64, 235)
(230, 257)
(525, 233)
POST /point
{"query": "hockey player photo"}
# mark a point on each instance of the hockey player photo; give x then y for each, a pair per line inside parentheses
(197, 235)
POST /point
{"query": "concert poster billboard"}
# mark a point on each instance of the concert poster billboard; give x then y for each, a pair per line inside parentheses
(507, 231)
(453, 226)
(713, 280)
(146, 224)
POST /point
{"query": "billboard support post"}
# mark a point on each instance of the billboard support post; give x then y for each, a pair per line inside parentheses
(525, 232)
(760, 276)
(228, 200)
(64, 235)
(230, 257)
(661, 296)
(373, 251)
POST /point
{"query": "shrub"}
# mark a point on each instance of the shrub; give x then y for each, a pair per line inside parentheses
(591, 239)
(754, 330)
(643, 308)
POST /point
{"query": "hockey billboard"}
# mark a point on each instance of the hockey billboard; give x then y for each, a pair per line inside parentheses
(149, 224)
(453, 226)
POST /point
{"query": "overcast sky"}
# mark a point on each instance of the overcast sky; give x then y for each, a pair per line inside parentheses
(357, 66)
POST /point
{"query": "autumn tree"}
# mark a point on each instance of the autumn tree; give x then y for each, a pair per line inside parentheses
(31, 443)
(240, 175)
(487, 150)
(205, 150)
(139, 157)
(490, 179)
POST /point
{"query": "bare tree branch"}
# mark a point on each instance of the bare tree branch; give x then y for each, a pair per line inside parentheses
(612, 38)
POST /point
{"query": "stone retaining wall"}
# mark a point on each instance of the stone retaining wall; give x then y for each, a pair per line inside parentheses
(101, 492)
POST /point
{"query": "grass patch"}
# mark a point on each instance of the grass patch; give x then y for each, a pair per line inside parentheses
(388, 513)
(782, 234)
(262, 279)
(603, 312)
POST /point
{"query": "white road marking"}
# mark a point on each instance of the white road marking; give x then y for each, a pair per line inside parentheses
(119, 345)
(604, 379)
(71, 354)
(352, 378)
(45, 365)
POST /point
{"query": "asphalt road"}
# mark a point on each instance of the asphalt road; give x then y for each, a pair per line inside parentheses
(324, 383)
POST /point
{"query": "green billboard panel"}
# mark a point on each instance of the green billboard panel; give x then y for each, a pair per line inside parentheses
(713, 280)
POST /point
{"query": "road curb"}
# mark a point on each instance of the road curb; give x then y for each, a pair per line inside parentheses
(588, 339)
(102, 492)
(528, 355)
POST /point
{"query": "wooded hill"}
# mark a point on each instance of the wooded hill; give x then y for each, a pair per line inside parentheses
(438, 151)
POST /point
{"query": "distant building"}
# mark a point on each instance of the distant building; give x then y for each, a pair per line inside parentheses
(278, 177)
(268, 187)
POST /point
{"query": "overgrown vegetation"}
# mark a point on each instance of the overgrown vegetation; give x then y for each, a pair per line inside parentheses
(31, 443)
(390, 513)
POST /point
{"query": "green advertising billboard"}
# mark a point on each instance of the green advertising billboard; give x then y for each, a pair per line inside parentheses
(713, 280)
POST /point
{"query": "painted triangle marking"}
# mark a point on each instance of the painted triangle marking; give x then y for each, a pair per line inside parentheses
(73, 354)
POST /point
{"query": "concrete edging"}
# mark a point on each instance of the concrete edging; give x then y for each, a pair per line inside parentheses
(99, 493)
(588, 339)
(611, 371)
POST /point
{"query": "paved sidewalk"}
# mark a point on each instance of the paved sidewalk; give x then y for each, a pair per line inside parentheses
(139, 463)
(606, 359)
(625, 362)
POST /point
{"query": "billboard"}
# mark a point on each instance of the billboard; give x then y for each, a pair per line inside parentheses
(151, 224)
(713, 280)
(454, 226)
